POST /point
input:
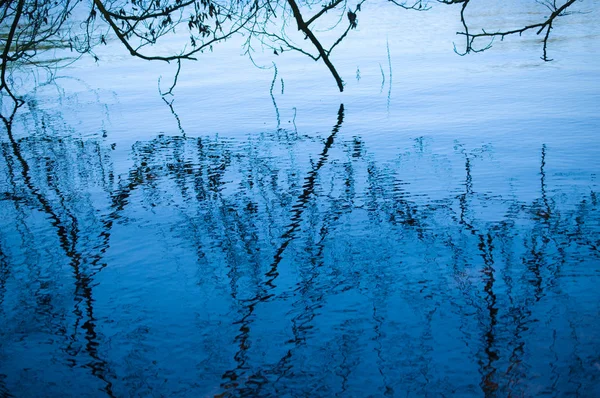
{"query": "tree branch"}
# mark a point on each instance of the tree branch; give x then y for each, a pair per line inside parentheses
(302, 26)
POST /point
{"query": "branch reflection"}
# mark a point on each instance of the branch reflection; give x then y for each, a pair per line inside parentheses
(281, 263)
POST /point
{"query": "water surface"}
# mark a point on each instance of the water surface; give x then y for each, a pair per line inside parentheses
(434, 232)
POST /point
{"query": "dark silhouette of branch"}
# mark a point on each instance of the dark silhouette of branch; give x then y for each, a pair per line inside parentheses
(303, 26)
(325, 8)
(5, 54)
(140, 26)
(122, 36)
(556, 11)
(417, 5)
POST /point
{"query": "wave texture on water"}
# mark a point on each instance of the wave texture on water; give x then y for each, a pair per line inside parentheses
(289, 264)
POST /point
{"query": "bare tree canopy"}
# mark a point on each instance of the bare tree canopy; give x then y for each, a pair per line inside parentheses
(30, 27)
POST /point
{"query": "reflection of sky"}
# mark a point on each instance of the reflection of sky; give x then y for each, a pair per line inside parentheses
(508, 87)
(446, 242)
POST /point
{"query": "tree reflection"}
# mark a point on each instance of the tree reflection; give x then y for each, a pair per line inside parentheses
(39, 182)
(326, 269)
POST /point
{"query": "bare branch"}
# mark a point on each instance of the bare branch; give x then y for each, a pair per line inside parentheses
(325, 8)
(33, 27)
(538, 27)
(417, 5)
(322, 53)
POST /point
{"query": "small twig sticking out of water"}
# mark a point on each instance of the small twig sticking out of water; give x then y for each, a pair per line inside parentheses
(389, 98)
(546, 213)
(174, 79)
(382, 78)
(294, 121)
(170, 92)
(170, 105)
(282, 86)
(273, 97)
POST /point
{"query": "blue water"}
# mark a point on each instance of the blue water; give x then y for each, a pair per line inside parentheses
(436, 232)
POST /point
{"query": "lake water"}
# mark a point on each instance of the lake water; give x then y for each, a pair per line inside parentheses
(434, 230)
